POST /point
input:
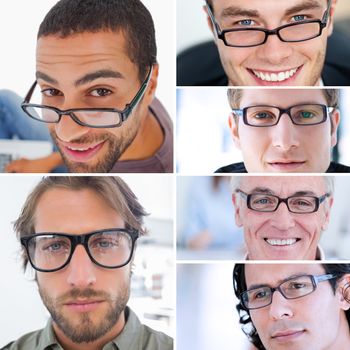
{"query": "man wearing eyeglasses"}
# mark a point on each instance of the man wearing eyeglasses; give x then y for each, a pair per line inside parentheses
(284, 130)
(282, 217)
(96, 77)
(79, 234)
(294, 306)
(271, 43)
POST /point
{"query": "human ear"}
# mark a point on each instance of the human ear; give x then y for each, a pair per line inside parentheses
(233, 125)
(237, 208)
(335, 116)
(343, 292)
(331, 17)
(327, 213)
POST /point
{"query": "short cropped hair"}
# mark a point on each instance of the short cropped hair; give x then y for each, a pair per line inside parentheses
(114, 191)
(235, 97)
(131, 17)
(239, 286)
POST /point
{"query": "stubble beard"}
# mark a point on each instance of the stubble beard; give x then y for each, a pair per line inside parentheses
(85, 329)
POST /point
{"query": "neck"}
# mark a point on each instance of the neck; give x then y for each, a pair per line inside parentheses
(68, 344)
(342, 338)
(148, 140)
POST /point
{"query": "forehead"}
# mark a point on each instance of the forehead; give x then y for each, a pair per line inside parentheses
(279, 8)
(74, 211)
(82, 52)
(273, 274)
(282, 97)
(284, 185)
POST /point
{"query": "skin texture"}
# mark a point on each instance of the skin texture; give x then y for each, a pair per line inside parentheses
(281, 224)
(314, 321)
(285, 147)
(76, 212)
(274, 56)
(61, 64)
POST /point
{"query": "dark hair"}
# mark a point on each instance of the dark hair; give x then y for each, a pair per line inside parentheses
(131, 17)
(115, 192)
(239, 286)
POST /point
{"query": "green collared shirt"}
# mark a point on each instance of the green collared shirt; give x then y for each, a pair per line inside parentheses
(134, 336)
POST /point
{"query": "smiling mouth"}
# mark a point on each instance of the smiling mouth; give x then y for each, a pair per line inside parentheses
(276, 76)
(281, 242)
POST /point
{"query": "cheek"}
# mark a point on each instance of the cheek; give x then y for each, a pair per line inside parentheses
(233, 57)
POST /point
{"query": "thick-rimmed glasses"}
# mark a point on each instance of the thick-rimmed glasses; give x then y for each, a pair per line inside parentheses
(293, 32)
(91, 117)
(291, 288)
(109, 248)
(302, 114)
(298, 204)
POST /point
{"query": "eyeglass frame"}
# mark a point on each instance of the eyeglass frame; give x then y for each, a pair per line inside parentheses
(124, 114)
(82, 239)
(318, 201)
(242, 112)
(316, 279)
(221, 33)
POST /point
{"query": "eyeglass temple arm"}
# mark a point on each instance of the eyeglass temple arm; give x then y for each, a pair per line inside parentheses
(211, 16)
(30, 93)
(326, 14)
(129, 107)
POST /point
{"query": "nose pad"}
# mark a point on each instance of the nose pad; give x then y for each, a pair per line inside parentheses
(284, 134)
(69, 130)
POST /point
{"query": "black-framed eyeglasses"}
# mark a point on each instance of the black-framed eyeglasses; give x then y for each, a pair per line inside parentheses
(110, 248)
(291, 288)
(298, 204)
(91, 117)
(301, 114)
(249, 37)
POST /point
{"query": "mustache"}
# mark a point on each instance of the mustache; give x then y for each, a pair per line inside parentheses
(86, 293)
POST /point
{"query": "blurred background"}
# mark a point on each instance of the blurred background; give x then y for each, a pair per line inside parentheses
(206, 228)
(192, 28)
(152, 287)
(204, 141)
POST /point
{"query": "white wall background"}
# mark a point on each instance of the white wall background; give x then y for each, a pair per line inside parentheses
(21, 309)
(19, 23)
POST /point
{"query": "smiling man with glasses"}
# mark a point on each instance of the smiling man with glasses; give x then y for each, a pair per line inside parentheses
(284, 130)
(79, 234)
(301, 306)
(282, 217)
(96, 76)
(271, 42)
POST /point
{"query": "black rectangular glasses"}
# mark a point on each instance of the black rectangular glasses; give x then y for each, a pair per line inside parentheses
(109, 248)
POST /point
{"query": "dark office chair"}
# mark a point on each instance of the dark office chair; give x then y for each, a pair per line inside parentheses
(200, 65)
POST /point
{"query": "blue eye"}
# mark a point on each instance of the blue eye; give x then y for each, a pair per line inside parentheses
(246, 22)
(298, 18)
(263, 115)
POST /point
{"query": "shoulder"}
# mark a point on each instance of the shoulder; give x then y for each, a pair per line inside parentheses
(232, 168)
(29, 341)
(155, 340)
(338, 168)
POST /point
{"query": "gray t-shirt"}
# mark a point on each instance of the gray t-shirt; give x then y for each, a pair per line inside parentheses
(134, 336)
(162, 160)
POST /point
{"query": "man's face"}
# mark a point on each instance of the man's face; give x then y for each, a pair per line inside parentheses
(85, 301)
(298, 63)
(282, 235)
(91, 70)
(315, 321)
(285, 147)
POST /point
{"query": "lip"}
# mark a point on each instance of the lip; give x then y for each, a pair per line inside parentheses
(289, 81)
(83, 305)
(287, 335)
(80, 153)
(286, 165)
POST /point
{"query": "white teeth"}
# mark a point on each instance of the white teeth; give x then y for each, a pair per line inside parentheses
(79, 149)
(281, 76)
(289, 241)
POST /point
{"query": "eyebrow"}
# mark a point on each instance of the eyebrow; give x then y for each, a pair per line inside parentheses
(87, 78)
(265, 190)
(259, 285)
(234, 11)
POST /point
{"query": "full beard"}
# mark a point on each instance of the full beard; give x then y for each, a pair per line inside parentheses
(85, 329)
(116, 146)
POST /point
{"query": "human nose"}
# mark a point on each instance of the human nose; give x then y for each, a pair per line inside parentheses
(274, 51)
(282, 218)
(69, 130)
(284, 134)
(81, 270)
(280, 307)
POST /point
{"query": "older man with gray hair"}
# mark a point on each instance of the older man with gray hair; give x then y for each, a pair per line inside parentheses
(282, 216)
